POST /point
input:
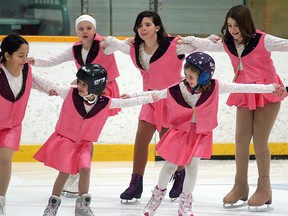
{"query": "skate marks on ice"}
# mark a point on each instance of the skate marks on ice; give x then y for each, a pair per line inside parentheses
(32, 183)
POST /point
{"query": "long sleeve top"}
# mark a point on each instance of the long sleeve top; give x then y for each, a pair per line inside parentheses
(224, 87)
(123, 46)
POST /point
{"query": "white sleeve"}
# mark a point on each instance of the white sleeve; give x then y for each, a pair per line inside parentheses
(205, 44)
(65, 56)
(138, 100)
(45, 86)
(114, 44)
(273, 43)
(229, 87)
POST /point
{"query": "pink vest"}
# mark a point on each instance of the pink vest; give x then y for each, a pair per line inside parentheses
(12, 111)
(75, 124)
(164, 68)
(206, 110)
(96, 56)
(256, 60)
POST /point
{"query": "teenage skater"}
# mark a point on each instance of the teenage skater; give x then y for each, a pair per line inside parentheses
(250, 52)
(16, 81)
(159, 59)
(194, 102)
(83, 115)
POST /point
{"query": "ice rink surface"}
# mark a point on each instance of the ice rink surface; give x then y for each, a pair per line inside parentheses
(31, 186)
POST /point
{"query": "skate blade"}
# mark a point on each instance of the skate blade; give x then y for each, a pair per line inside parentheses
(70, 194)
(263, 208)
(235, 205)
(174, 199)
(129, 202)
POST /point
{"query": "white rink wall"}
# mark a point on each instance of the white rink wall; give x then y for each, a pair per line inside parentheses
(42, 111)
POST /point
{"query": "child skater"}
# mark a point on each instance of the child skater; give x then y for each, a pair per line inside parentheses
(81, 120)
(86, 51)
(249, 50)
(16, 81)
(194, 102)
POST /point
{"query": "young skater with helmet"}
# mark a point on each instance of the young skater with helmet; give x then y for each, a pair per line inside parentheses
(249, 50)
(194, 102)
(87, 50)
(84, 112)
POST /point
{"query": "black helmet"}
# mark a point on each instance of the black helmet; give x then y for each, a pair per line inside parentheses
(95, 76)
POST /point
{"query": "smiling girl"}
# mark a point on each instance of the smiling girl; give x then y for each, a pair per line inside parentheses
(250, 52)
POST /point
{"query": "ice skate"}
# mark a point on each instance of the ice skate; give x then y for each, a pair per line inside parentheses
(262, 198)
(2, 206)
(154, 202)
(82, 207)
(134, 191)
(185, 205)
(70, 189)
(177, 187)
(237, 197)
(52, 207)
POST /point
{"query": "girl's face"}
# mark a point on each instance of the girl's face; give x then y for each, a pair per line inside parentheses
(16, 61)
(147, 29)
(85, 31)
(82, 88)
(191, 77)
(234, 30)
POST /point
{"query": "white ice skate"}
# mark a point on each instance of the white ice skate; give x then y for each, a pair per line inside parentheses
(154, 202)
(185, 205)
(2, 206)
(52, 207)
(70, 189)
(82, 207)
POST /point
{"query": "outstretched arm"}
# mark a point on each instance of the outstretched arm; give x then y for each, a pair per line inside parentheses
(211, 43)
(111, 44)
(138, 99)
(227, 87)
(65, 56)
(48, 87)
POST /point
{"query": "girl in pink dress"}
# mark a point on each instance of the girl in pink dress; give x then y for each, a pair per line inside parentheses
(250, 52)
(86, 51)
(194, 102)
(83, 115)
(159, 59)
(16, 81)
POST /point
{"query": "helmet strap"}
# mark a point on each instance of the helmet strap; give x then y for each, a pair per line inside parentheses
(89, 101)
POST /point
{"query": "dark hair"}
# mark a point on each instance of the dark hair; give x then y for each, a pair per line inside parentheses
(243, 17)
(195, 69)
(11, 44)
(161, 34)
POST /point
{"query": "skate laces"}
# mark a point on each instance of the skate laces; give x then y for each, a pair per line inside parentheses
(186, 202)
(84, 205)
(156, 199)
(134, 183)
(53, 205)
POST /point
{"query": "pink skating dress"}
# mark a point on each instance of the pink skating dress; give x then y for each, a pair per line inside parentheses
(14, 95)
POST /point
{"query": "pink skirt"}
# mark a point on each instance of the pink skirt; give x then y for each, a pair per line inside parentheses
(156, 113)
(64, 154)
(10, 137)
(179, 147)
(112, 90)
(251, 100)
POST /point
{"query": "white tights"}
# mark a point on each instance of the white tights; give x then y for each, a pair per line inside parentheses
(191, 171)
